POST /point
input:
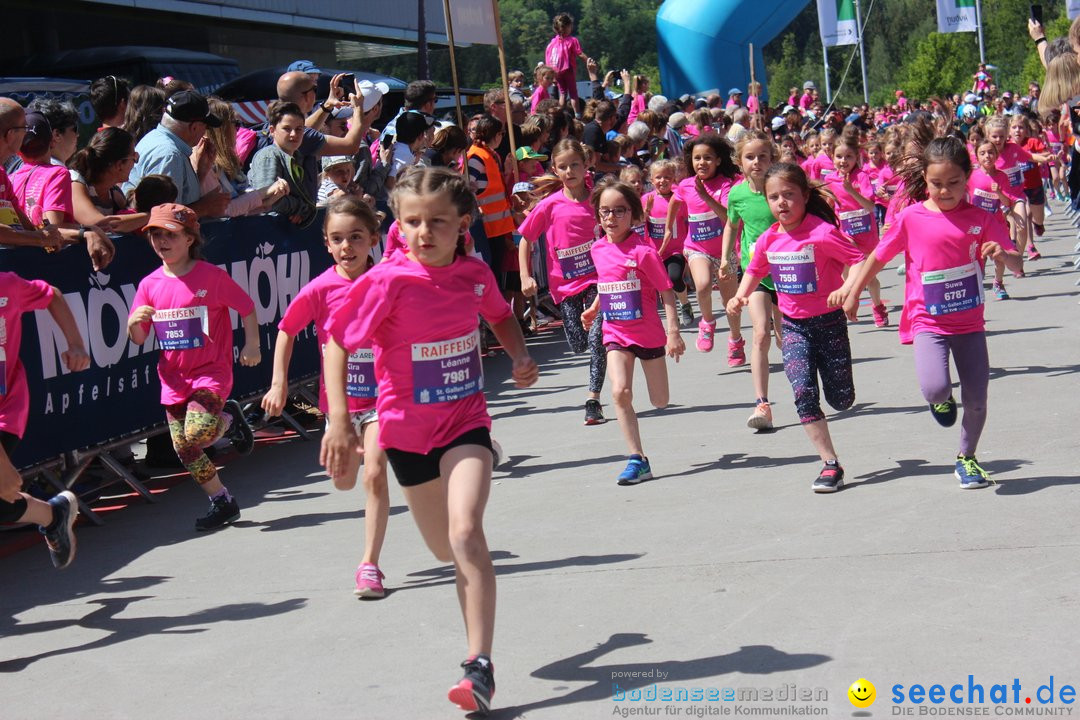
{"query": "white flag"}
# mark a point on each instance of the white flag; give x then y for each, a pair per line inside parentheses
(836, 21)
(956, 16)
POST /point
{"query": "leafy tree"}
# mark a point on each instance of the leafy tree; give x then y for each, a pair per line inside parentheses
(943, 64)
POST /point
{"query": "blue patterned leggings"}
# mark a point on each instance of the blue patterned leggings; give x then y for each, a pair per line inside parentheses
(581, 339)
(818, 346)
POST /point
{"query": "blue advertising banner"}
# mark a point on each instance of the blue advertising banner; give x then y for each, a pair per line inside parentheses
(119, 395)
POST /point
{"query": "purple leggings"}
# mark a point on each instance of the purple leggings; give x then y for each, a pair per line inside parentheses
(973, 367)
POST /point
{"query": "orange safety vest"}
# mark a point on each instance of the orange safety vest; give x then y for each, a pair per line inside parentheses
(492, 200)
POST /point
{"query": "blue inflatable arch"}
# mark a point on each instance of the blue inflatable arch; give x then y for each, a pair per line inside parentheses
(704, 44)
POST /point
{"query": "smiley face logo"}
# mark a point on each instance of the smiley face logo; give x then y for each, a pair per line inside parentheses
(862, 693)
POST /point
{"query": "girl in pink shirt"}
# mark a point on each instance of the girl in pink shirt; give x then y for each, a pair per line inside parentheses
(640, 97)
(350, 230)
(56, 517)
(662, 176)
(418, 312)
(945, 241)
(630, 276)
(855, 210)
(705, 197)
(1059, 183)
(805, 254)
(822, 166)
(568, 224)
(1011, 160)
(188, 301)
(562, 54)
(544, 77)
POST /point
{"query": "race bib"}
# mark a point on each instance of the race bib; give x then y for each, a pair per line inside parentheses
(3, 372)
(1025, 166)
(620, 300)
(1015, 175)
(793, 273)
(638, 229)
(890, 190)
(826, 172)
(182, 328)
(1056, 148)
(705, 226)
(447, 370)
(360, 375)
(985, 200)
(576, 262)
(656, 228)
(855, 222)
(953, 290)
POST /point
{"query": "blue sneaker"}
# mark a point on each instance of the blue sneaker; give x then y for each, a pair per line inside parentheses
(636, 470)
(944, 413)
(970, 474)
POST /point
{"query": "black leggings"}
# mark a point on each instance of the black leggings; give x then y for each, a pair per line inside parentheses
(676, 267)
(580, 339)
(11, 512)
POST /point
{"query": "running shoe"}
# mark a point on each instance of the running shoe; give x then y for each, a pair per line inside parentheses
(59, 536)
(637, 469)
(686, 316)
(881, 315)
(239, 432)
(944, 413)
(705, 335)
(736, 352)
(474, 691)
(762, 417)
(594, 413)
(497, 454)
(369, 581)
(1033, 253)
(970, 474)
(999, 290)
(830, 479)
(222, 512)
(1039, 228)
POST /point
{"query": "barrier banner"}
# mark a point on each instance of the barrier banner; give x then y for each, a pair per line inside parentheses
(119, 394)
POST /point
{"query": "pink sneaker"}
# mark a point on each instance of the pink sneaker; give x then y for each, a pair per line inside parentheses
(369, 581)
(881, 315)
(736, 352)
(704, 335)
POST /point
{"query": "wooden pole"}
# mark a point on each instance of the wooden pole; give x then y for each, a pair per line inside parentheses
(506, 91)
(453, 63)
(756, 120)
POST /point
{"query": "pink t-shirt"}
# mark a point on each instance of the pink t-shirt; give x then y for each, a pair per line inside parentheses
(897, 202)
(9, 202)
(805, 101)
(630, 276)
(855, 221)
(752, 104)
(880, 177)
(193, 328)
(539, 94)
(44, 188)
(805, 265)
(943, 282)
(981, 193)
(314, 304)
(705, 231)
(821, 167)
(562, 53)
(1012, 161)
(657, 221)
(637, 105)
(421, 322)
(19, 296)
(569, 227)
(394, 240)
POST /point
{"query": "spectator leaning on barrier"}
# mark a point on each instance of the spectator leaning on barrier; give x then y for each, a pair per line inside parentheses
(167, 150)
(15, 228)
(226, 171)
(96, 173)
(64, 120)
(369, 176)
(281, 161)
(109, 98)
(419, 96)
(43, 189)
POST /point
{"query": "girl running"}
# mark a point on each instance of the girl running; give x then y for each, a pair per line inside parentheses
(670, 247)
(188, 301)
(705, 196)
(945, 241)
(567, 221)
(1058, 171)
(350, 231)
(55, 518)
(986, 186)
(855, 209)
(1011, 160)
(821, 166)
(805, 253)
(748, 217)
(630, 275)
(1020, 133)
(418, 313)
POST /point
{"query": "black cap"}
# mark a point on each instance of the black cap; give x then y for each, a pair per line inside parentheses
(190, 106)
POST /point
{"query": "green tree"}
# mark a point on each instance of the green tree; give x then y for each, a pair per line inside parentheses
(943, 64)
